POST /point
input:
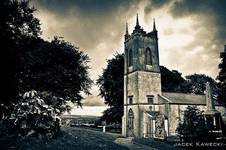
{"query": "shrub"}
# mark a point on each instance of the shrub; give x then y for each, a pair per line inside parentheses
(193, 127)
(31, 116)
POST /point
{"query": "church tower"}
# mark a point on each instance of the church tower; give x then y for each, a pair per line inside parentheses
(142, 80)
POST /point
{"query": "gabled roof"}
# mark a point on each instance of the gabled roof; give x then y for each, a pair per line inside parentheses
(182, 98)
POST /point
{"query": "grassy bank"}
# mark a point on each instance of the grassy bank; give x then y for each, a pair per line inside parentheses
(69, 138)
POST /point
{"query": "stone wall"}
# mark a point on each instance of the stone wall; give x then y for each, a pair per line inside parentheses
(138, 45)
(149, 83)
(140, 85)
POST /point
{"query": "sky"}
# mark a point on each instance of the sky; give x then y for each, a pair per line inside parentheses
(192, 33)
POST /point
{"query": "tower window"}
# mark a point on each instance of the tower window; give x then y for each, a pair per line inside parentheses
(130, 58)
(150, 99)
(130, 99)
(130, 119)
(148, 56)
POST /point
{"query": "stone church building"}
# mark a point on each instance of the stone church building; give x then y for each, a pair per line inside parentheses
(144, 102)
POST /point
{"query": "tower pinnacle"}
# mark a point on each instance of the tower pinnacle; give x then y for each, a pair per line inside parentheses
(137, 27)
(137, 23)
(127, 32)
(154, 28)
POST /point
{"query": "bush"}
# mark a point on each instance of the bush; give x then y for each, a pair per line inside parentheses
(31, 116)
(193, 127)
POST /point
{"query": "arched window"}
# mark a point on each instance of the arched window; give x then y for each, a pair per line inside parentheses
(130, 119)
(130, 58)
(148, 56)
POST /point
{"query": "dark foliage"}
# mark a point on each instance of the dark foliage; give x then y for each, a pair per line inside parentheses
(193, 127)
(111, 88)
(56, 67)
(222, 78)
(29, 63)
(17, 24)
(57, 70)
(197, 83)
(113, 114)
(31, 116)
(172, 81)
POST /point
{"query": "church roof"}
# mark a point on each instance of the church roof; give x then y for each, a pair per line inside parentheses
(183, 99)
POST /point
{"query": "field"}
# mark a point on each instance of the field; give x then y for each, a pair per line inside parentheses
(69, 138)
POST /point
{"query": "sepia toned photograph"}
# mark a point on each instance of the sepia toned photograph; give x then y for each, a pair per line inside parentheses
(113, 74)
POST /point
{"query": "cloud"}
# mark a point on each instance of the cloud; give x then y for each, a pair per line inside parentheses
(210, 30)
(93, 100)
(211, 10)
(97, 27)
(191, 32)
(155, 4)
(86, 7)
(192, 24)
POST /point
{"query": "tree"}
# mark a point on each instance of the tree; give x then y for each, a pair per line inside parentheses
(17, 24)
(172, 81)
(111, 88)
(197, 83)
(222, 78)
(57, 68)
(29, 63)
(40, 79)
(193, 127)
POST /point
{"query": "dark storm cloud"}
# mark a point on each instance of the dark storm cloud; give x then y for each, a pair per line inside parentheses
(213, 10)
(192, 30)
(155, 4)
(209, 16)
(88, 18)
(210, 10)
(86, 7)
(208, 28)
(95, 26)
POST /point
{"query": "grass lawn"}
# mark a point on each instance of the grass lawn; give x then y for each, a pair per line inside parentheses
(69, 138)
(155, 143)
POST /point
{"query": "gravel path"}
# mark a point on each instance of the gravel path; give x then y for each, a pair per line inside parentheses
(129, 144)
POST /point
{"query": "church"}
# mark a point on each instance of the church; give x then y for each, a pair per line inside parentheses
(149, 112)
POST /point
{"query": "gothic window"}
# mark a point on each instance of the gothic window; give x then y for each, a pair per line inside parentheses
(150, 99)
(148, 56)
(130, 119)
(130, 58)
(130, 99)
